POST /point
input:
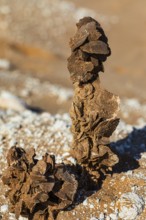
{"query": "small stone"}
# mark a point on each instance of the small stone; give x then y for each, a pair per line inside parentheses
(113, 216)
(130, 206)
(85, 202)
(4, 208)
(91, 206)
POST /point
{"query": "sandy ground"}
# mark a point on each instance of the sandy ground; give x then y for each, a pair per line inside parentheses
(34, 79)
(120, 196)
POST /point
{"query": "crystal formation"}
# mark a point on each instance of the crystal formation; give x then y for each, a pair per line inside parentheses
(38, 189)
(94, 110)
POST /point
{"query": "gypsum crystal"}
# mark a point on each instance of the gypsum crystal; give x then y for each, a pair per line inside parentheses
(37, 188)
(94, 110)
(89, 49)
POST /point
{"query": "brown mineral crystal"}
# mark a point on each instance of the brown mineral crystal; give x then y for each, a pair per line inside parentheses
(89, 49)
(94, 110)
(38, 189)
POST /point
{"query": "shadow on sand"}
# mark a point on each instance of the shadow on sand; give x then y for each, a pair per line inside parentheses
(129, 150)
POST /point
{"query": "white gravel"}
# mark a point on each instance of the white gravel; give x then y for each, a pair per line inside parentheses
(131, 205)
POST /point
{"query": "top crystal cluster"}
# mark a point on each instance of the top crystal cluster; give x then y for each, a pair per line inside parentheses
(89, 50)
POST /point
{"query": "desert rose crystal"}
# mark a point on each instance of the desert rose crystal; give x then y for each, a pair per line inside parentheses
(94, 110)
(38, 189)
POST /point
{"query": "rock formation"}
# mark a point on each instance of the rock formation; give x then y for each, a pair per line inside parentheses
(94, 110)
(38, 189)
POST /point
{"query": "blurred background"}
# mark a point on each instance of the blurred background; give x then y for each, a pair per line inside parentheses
(34, 47)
